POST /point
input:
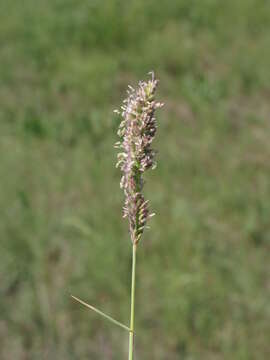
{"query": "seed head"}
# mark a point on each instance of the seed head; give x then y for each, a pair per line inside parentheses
(137, 131)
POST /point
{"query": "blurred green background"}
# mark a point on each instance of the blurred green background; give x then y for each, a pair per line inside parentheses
(203, 268)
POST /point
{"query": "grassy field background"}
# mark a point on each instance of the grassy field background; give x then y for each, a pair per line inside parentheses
(203, 268)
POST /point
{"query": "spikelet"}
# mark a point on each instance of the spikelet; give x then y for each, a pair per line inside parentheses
(137, 131)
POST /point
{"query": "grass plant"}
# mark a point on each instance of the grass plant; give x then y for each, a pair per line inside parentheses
(136, 131)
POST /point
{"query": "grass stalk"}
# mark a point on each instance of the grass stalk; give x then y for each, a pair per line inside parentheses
(136, 131)
(132, 304)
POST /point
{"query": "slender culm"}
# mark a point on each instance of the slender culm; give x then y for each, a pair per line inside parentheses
(136, 131)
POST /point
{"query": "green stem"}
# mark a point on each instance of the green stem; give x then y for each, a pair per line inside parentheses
(132, 306)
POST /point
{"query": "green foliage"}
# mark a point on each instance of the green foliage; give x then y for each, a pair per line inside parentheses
(203, 273)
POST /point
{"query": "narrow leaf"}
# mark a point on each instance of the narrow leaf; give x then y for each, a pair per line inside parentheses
(102, 314)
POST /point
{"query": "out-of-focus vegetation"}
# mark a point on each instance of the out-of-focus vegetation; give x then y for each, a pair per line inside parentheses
(203, 268)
